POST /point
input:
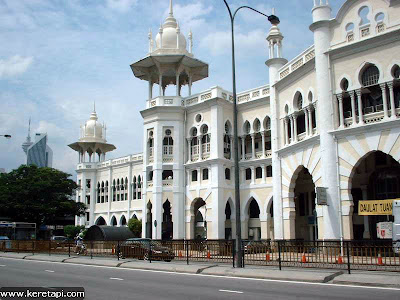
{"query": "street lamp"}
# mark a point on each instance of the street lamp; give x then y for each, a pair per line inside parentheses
(274, 20)
(7, 136)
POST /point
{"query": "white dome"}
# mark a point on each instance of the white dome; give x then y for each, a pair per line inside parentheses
(169, 39)
(93, 129)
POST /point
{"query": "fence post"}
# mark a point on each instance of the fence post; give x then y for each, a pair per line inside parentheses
(33, 247)
(279, 255)
(243, 254)
(150, 253)
(233, 252)
(187, 251)
(69, 249)
(118, 249)
(348, 257)
(17, 246)
(49, 247)
(91, 250)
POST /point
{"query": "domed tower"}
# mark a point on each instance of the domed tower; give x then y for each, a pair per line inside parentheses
(92, 141)
(274, 63)
(168, 63)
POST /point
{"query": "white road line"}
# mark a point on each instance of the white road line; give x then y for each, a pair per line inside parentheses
(50, 271)
(2, 265)
(228, 291)
(214, 276)
(115, 278)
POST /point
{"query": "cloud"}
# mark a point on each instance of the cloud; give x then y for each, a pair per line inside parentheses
(14, 66)
(192, 15)
(121, 5)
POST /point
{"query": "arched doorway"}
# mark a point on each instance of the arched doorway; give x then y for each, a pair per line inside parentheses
(167, 226)
(228, 223)
(149, 220)
(101, 221)
(304, 196)
(200, 221)
(254, 225)
(123, 221)
(376, 177)
(113, 221)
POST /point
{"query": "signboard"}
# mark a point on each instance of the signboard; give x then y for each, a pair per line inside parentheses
(384, 230)
(375, 207)
(321, 195)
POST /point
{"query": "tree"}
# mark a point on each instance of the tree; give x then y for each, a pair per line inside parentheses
(72, 231)
(135, 226)
(38, 195)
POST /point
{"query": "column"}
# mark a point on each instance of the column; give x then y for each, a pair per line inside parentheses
(291, 129)
(360, 109)
(286, 131)
(392, 104)
(150, 89)
(200, 139)
(341, 119)
(384, 100)
(189, 141)
(366, 234)
(306, 121)
(177, 84)
(353, 108)
(243, 147)
(199, 176)
(263, 173)
(253, 175)
(295, 126)
(263, 143)
(253, 146)
(190, 85)
(310, 127)
(160, 83)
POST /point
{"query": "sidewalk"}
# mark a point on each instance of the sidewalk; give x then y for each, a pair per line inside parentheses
(363, 278)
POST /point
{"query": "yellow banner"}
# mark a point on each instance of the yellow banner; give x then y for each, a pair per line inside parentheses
(375, 207)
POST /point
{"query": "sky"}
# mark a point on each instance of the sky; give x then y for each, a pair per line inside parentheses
(59, 57)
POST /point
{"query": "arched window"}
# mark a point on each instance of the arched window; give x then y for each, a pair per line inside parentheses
(310, 97)
(396, 71)
(139, 187)
(205, 140)
(286, 109)
(107, 191)
(168, 144)
(267, 123)
(370, 76)
(246, 127)
(363, 13)
(227, 127)
(254, 210)
(300, 101)
(227, 174)
(194, 143)
(349, 27)
(258, 172)
(102, 192)
(248, 174)
(98, 192)
(114, 189)
(257, 125)
(227, 146)
(379, 17)
(344, 84)
(205, 174)
(150, 143)
(134, 188)
(194, 175)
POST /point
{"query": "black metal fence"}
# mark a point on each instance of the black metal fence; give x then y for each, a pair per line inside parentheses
(343, 255)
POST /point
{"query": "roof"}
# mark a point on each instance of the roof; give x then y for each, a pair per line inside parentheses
(108, 233)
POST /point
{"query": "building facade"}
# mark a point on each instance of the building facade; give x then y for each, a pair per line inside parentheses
(328, 119)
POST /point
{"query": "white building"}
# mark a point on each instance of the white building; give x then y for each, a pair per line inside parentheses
(37, 153)
(328, 118)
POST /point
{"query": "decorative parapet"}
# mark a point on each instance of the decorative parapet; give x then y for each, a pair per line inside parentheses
(297, 62)
(112, 162)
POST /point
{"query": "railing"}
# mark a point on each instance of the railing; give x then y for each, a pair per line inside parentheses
(382, 255)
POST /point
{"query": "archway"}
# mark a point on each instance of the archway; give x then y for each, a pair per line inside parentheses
(304, 196)
(100, 221)
(122, 221)
(254, 225)
(228, 222)
(375, 177)
(149, 220)
(167, 225)
(113, 221)
(200, 220)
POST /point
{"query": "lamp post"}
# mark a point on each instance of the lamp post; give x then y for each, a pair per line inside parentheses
(238, 245)
(7, 136)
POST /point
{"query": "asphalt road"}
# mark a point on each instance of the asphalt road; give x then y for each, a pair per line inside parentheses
(115, 283)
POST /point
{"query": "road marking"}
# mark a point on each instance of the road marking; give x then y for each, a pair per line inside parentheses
(115, 278)
(228, 291)
(2, 265)
(213, 276)
(50, 271)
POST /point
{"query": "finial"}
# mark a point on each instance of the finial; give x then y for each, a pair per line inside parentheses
(171, 13)
(29, 128)
(273, 10)
(94, 106)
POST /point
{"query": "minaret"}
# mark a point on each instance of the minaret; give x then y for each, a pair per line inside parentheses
(328, 214)
(274, 63)
(169, 63)
(27, 142)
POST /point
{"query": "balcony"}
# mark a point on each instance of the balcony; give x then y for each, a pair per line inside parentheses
(164, 101)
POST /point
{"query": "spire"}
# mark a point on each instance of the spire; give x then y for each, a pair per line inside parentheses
(94, 106)
(28, 142)
(28, 138)
(171, 13)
